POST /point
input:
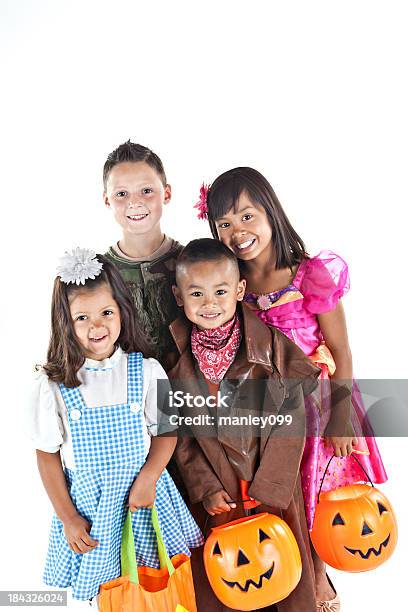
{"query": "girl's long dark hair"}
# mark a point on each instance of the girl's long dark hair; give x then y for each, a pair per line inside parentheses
(65, 355)
(224, 194)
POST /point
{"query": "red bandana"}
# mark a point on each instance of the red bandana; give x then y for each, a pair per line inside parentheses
(215, 349)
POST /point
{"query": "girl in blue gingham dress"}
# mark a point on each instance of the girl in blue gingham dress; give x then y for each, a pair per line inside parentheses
(94, 420)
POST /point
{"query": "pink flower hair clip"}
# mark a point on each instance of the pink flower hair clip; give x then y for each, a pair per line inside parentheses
(202, 202)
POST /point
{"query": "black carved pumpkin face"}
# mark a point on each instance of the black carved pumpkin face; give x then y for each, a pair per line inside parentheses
(252, 562)
(355, 529)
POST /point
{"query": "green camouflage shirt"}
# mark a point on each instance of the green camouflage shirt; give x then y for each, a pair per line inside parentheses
(150, 284)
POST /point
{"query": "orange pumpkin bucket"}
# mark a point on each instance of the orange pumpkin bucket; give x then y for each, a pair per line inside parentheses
(252, 562)
(355, 529)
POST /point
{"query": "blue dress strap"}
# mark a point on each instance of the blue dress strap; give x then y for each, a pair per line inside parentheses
(135, 378)
(74, 402)
(72, 397)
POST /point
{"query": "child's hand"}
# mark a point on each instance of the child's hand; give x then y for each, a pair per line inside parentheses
(76, 532)
(342, 446)
(142, 492)
(218, 503)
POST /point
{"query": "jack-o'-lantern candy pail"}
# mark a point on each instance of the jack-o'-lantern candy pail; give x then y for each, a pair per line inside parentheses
(355, 528)
(252, 562)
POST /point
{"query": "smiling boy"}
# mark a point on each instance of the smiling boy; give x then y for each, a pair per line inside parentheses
(222, 346)
(136, 190)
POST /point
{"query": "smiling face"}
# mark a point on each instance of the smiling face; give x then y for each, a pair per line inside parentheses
(96, 320)
(246, 230)
(136, 194)
(252, 562)
(209, 291)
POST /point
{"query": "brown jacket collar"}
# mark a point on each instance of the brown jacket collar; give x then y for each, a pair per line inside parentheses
(255, 334)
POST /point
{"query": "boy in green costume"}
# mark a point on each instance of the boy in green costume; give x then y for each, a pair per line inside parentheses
(136, 189)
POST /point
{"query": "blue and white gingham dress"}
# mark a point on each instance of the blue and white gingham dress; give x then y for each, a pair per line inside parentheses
(109, 451)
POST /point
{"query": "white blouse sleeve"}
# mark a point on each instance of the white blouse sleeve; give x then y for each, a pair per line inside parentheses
(42, 420)
(157, 413)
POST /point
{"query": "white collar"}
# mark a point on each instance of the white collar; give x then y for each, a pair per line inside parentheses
(105, 364)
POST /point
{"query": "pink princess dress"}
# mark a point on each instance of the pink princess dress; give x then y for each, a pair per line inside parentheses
(317, 287)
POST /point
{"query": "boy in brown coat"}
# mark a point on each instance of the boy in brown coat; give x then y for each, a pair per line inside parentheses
(226, 352)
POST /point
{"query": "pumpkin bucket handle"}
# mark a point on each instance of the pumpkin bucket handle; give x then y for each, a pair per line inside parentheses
(327, 467)
(247, 513)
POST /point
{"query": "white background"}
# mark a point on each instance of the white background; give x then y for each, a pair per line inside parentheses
(312, 94)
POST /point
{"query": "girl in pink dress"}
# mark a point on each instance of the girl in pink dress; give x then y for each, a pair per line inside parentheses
(301, 296)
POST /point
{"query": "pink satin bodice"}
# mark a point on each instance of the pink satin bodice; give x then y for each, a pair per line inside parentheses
(318, 284)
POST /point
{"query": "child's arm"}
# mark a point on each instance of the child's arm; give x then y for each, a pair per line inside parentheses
(334, 330)
(76, 528)
(156, 410)
(143, 490)
(201, 482)
(275, 478)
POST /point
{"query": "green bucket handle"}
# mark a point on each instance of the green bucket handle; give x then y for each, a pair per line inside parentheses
(128, 552)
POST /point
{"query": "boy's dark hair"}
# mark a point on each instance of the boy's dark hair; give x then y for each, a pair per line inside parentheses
(203, 250)
(224, 194)
(65, 355)
(132, 152)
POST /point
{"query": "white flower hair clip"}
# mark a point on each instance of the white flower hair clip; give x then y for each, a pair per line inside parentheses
(78, 265)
